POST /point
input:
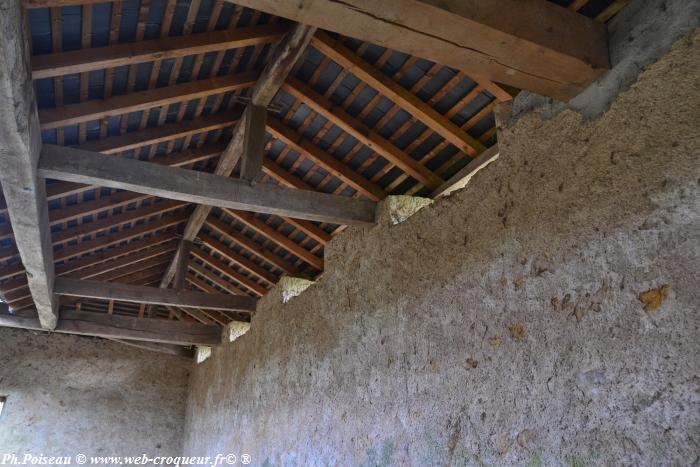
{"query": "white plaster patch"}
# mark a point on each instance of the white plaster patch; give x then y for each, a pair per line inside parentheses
(203, 352)
(293, 286)
(402, 207)
(236, 329)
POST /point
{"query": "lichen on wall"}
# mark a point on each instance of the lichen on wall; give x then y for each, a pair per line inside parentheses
(503, 325)
(70, 395)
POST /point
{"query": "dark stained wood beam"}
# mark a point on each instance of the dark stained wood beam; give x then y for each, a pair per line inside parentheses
(152, 295)
(74, 165)
(132, 53)
(530, 44)
(20, 146)
(124, 327)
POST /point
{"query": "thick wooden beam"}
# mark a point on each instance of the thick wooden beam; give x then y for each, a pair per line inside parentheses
(143, 100)
(124, 327)
(401, 96)
(132, 53)
(253, 143)
(152, 295)
(20, 146)
(281, 62)
(530, 44)
(74, 165)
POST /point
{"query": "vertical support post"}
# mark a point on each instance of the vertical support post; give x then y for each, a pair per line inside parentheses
(182, 260)
(253, 143)
(20, 147)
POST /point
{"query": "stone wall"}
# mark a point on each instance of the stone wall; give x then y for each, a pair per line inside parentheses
(547, 314)
(68, 395)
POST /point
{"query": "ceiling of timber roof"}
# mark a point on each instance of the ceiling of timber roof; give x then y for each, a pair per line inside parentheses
(316, 139)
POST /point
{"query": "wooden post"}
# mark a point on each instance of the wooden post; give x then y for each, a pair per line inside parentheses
(20, 146)
(253, 143)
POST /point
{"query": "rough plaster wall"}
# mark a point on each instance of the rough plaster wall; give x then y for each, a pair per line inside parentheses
(68, 395)
(503, 324)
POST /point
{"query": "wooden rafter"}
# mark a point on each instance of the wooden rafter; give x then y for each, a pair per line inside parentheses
(142, 100)
(80, 61)
(228, 271)
(404, 98)
(361, 132)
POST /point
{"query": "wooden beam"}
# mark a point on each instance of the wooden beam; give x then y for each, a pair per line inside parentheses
(401, 96)
(152, 295)
(74, 165)
(124, 327)
(462, 177)
(253, 143)
(132, 53)
(170, 349)
(537, 45)
(142, 100)
(362, 132)
(280, 64)
(20, 146)
(182, 260)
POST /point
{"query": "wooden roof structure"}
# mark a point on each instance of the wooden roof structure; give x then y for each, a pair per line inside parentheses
(139, 100)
